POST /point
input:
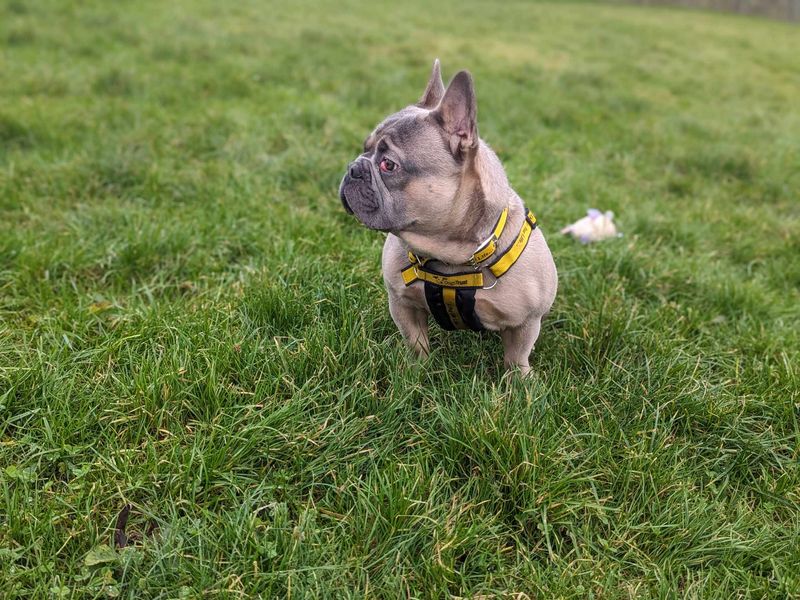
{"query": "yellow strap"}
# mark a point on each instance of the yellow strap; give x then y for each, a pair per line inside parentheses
(507, 260)
(449, 297)
(501, 223)
(416, 271)
(409, 275)
(413, 273)
(484, 252)
(489, 247)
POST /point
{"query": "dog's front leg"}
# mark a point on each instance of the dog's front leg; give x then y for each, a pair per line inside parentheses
(518, 344)
(413, 324)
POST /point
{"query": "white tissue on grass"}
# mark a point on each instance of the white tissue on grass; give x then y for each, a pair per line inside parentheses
(595, 226)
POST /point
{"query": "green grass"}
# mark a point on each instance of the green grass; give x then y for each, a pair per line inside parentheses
(191, 324)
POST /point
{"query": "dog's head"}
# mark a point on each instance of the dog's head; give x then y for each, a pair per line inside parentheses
(414, 162)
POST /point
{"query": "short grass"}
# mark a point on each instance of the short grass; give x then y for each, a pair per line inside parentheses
(191, 325)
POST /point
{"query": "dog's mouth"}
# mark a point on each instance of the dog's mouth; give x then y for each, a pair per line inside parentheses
(346, 205)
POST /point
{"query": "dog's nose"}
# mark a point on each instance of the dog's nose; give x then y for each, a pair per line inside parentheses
(356, 170)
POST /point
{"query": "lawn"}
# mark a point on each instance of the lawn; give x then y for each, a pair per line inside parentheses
(192, 326)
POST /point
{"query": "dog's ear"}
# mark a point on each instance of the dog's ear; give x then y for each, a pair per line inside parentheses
(457, 114)
(435, 90)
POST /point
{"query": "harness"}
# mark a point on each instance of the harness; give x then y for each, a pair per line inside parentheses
(451, 297)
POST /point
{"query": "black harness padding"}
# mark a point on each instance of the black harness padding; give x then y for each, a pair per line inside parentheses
(465, 302)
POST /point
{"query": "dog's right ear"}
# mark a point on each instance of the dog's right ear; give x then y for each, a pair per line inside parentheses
(435, 90)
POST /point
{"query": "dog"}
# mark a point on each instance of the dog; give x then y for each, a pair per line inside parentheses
(461, 245)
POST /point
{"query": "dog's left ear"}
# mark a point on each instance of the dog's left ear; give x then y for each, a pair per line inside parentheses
(457, 114)
(435, 90)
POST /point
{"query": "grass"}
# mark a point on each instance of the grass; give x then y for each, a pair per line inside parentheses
(191, 325)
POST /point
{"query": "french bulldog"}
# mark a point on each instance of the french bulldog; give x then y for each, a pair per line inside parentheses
(435, 187)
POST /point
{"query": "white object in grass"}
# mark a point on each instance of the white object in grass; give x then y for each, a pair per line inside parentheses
(595, 226)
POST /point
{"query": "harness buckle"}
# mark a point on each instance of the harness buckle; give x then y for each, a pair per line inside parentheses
(474, 262)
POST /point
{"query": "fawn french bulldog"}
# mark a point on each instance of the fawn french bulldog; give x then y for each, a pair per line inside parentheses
(460, 243)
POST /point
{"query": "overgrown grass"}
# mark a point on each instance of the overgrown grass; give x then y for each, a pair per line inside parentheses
(191, 324)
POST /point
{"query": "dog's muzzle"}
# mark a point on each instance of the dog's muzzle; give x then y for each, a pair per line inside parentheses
(356, 191)
(343, 198)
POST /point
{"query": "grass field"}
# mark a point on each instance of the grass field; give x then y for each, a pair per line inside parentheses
(192, 325)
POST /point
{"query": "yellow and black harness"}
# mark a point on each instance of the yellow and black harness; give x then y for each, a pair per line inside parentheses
(451, 297)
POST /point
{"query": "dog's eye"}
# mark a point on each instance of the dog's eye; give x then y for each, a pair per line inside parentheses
(387, 166)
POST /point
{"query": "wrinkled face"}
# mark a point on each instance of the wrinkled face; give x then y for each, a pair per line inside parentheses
(406, 175)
